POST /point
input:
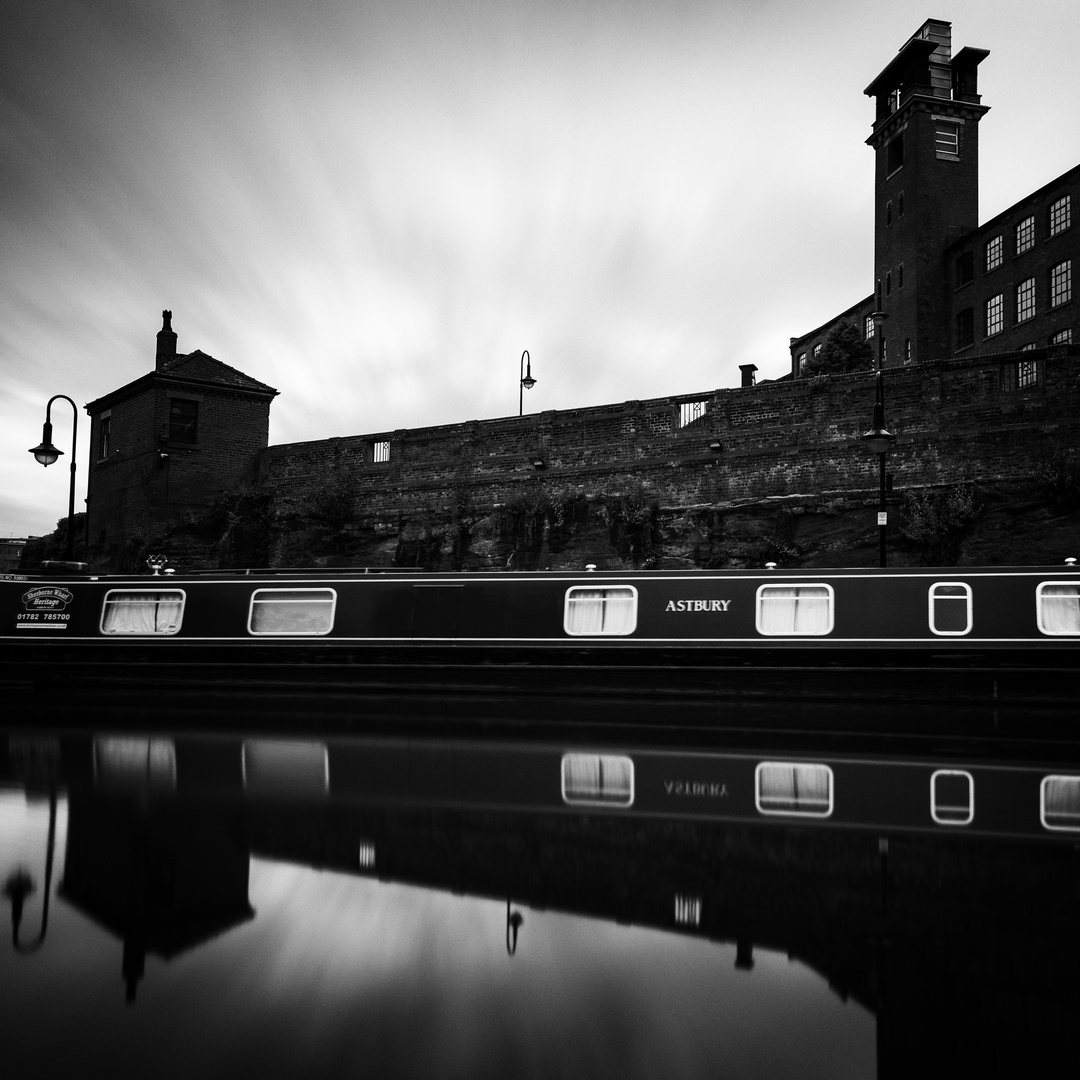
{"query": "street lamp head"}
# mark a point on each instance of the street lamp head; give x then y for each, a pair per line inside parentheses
(527, 380)
(45, 452)
(878, 440)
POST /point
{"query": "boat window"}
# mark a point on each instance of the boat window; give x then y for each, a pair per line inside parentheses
(794, 787)
(952, 797)
(597, 780)
(292, 611)
(795, 609)
(1059, 800)
(1058, 607)
(282, 769)
(135, 762)
(950, 608)
(610, 611)
(142, 611)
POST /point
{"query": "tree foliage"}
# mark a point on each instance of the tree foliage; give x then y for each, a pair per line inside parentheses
(844, 349)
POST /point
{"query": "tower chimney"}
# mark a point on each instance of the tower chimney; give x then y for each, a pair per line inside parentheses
(166, 341)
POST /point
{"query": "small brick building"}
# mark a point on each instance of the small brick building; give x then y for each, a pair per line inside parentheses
(170, 442)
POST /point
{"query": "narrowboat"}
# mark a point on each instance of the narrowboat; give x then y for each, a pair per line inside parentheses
(1036, 799)
(990, 635)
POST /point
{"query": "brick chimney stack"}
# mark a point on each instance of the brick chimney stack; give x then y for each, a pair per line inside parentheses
(166, 341)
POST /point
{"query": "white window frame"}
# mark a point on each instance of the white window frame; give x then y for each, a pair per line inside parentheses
(621, 794)
(1025, 234)
(1025, 300)
(995, 315)
(941, 813)
(1060, 215)
(1060, 283)
(323, 590)
(173, 594)
(1039, 608)
(764, 589)
(820, 810)
(1071, 782)
(630, 592)
(995, 252)
(931, 597)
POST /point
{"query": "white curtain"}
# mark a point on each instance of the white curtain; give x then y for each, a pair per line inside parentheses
(1059, 609)
(598, 778)
(1061, 801)
(795, 609)
(142, 612)
(601, 611)
(795, 788)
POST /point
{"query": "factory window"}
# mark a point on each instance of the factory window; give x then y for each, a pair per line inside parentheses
(1062, 337)
(604, 612)
(802, 360)
(795, 610)
(1025, 235)
(292, 611)
(950, 609)
(597, 780)
(142, 612)
(900, 205)
(907, 350)
(947, 138)
(965, 269)
(1025, 300)
(689, 411)
(894, 154)
(380, 451)
(183, 420)
(994, 252)
(869, 327)
(1022, 375)
(816, 350)
(1058, 607)
(965, 328)
(995, 315)
(1060, 215)
(793, 787)
(1061, 283)
(104, 435)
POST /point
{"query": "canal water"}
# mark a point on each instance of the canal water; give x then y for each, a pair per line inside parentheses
(491, 903)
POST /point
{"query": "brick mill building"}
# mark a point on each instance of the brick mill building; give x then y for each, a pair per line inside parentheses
(983, 388)
(947, 285)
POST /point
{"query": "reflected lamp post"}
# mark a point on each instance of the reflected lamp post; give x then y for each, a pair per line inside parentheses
(46, 453)
(525, 379)
(878, 440)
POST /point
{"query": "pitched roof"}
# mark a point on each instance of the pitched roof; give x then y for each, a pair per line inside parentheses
(196, 369)
(206, 368)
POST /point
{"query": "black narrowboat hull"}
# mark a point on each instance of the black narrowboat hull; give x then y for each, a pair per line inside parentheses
(973, 642)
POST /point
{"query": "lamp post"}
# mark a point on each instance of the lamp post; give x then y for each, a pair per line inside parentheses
(46, 453)
(525, 379)
(879, 439)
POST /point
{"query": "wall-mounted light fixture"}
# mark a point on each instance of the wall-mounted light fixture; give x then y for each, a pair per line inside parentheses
(715, 447)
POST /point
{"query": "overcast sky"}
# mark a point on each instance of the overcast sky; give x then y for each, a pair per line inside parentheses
(376, 206)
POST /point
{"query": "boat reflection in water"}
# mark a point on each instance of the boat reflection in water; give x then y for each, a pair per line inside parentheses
(420, 905)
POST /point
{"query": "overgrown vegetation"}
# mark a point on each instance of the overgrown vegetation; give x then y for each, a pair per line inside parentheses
(935, 522)
(844, 349)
